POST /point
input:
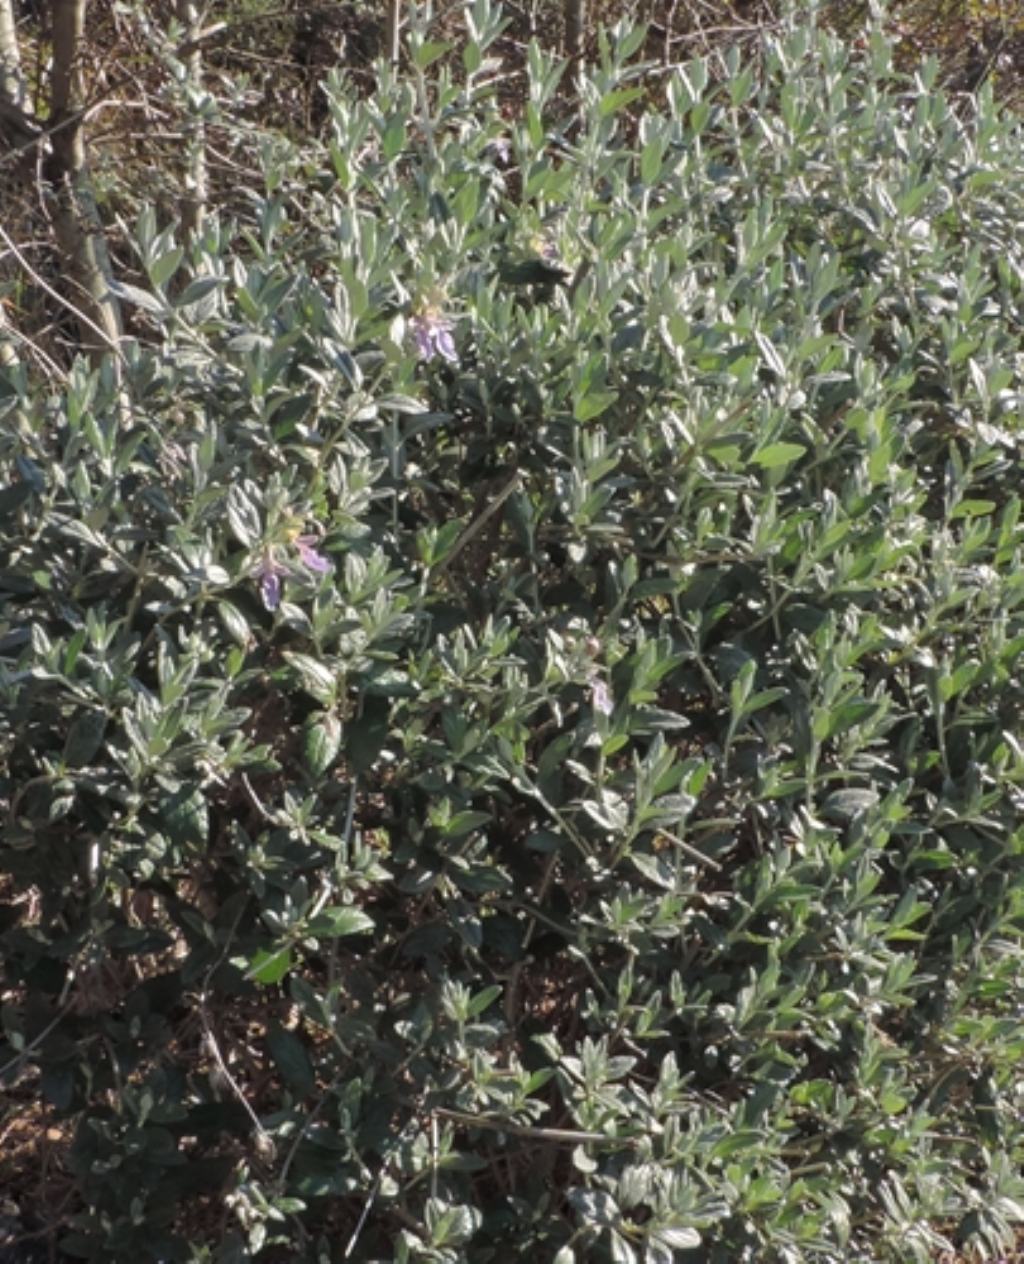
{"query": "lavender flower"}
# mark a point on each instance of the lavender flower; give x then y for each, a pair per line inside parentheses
(601, 697)
(432, 334)
(269, 573)
(311, 558)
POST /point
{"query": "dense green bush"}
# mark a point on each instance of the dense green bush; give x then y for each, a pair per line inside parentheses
(511, 687)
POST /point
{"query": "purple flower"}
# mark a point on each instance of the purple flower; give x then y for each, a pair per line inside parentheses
(601, 697)
(432, 334)
(311, 558)
(501, 147)
(269, 573)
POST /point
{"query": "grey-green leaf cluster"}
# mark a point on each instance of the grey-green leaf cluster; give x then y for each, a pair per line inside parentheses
(512, 736)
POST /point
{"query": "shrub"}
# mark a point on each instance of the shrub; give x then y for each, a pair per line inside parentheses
(512, 686)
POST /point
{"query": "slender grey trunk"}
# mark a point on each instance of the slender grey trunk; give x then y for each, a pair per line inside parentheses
(13, 88)
(393, 29)
(74, 216)
(17, 127)
(193, 204)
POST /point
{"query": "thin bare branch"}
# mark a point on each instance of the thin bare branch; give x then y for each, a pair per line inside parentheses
(77, 312)
(560, 1136)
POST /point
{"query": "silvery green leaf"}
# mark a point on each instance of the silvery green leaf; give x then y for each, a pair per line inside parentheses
(844, 805)
(151, 303)
(322, 742)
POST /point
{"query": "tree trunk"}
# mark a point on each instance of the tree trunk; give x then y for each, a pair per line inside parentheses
(193, 204)
(393, 29)
(17, 126)
(70, 203)
(13, 88)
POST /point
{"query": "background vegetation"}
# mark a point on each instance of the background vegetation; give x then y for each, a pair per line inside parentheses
(511, 613)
